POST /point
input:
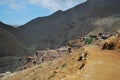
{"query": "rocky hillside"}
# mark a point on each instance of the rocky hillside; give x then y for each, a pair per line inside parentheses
(86, 63)
(9, 44)
(55, 30)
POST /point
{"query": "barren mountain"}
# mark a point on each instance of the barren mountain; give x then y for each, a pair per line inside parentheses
(55, 30)
(11, 48)
(87, 63)
(9, 44)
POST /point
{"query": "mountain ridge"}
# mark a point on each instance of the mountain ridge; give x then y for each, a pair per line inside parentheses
(55, 30)
(67, 23)
(9, 44)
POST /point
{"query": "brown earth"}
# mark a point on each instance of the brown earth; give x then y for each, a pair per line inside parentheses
(100, 65)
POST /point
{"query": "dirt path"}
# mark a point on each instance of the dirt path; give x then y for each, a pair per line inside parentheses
(102, 65)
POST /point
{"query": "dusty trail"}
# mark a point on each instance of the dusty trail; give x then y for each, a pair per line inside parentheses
(102, 65)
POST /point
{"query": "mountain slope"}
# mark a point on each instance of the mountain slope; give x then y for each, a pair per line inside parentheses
(55, 30)
(100, 65)
(9, 44)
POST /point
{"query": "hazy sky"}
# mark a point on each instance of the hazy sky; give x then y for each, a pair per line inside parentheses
(18, 12)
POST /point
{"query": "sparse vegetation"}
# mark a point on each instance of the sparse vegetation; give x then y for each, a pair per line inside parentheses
(52, 75)
(40, 66)
(64, 65)
(34, 76)
(56, 68)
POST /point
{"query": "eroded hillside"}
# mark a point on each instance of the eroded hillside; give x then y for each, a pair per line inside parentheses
(89, 62)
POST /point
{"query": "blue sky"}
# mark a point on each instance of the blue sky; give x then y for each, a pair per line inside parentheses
(19, 12)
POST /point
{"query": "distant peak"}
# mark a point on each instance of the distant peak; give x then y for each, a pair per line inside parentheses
(59, 11)
(1, 22)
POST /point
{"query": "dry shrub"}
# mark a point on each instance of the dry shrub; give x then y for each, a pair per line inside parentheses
(112, 43)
